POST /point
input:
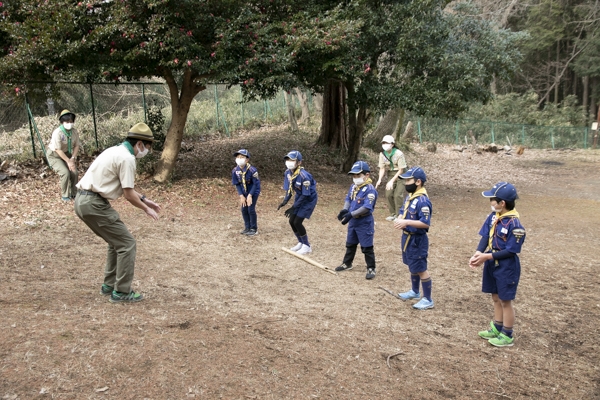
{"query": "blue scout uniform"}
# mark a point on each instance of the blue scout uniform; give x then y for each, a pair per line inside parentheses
(246, 181)
(415, 243)
(504, 233)
(362, 228)
(305, 188)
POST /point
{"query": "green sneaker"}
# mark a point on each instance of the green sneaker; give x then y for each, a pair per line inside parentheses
(105, 290)
(131, 297)
(502, 341)
(489, 334)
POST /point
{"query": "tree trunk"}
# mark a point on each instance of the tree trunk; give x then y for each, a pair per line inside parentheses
(357, 120)
(333, 125)
(557, 76)
(387, 126)
(318, 102)
(305, 118)
(586, 93)
(289, 99)
(180, 107)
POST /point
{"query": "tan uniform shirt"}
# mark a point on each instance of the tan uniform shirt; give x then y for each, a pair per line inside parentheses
(59, 140)
(110, 173)
(397, 159)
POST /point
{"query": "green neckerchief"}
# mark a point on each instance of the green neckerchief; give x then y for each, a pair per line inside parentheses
(420, 192)
(244, 175)
(68, 135)
(509, 214)
(129, 147)
(357, 188)
(391, 155)
(294, 176)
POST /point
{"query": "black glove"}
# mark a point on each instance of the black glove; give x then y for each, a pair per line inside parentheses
(281, 205)
(290, 211)
(342, 214)
(346, 218)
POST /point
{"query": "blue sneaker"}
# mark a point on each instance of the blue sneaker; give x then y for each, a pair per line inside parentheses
(409, 295)
(423, 304)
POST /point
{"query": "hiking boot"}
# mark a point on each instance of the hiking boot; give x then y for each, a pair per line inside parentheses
(105, 290)
(491, 333)
(251, 232)
(409, 295)
(343, 267)
(391, 218)
(296, 247)
(245, 231)
(423, 304)
(502, 341)
(370, 273)
(131, 297)
(304, 250)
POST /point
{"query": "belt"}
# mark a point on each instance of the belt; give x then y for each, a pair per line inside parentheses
(88, 193)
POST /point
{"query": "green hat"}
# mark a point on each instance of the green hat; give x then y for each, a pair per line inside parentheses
(66, 112)
(141, 131)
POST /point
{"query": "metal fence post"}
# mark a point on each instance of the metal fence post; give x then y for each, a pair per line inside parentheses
(522, 134)
(144, 104)
(552, 138)
(493, 138)
(419, 129)
(456, 131)
(242, 104)
(585, 137)
(265, 105)
(30, 126)
(217, 105)
(94, 116)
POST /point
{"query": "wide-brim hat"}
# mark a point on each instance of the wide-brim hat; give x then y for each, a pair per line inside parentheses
(416, 173)
(66, 112)
(243, 152)
(140, 131)
(293, 155)
(502, 190)
(359, 167)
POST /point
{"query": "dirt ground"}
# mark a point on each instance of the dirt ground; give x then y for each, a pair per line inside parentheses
(228, 316)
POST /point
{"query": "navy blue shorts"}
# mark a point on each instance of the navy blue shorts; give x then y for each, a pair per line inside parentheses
(414, 253)
(501, 279)
(361, 235)
(416, 265)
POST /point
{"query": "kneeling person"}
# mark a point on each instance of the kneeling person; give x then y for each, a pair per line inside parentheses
(358, 214)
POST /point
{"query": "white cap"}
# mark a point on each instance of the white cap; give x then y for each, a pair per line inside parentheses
(388, 139)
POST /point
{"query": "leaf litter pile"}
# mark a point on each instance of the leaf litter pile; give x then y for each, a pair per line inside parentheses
(229, 316)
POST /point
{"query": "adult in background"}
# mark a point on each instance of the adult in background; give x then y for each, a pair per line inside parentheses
(391, 159)
(62, 154)
(111, 175)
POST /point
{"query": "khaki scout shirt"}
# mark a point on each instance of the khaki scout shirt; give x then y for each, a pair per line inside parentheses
(110, 173)
(397, 159)
(59, 140)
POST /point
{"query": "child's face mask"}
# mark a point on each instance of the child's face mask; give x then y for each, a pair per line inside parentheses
(290, 164)
(240, 161)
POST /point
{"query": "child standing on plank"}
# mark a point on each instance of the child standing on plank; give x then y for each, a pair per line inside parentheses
(414, 220)
(297, 181)
(502, 236)
(358, 214)
(245, 179)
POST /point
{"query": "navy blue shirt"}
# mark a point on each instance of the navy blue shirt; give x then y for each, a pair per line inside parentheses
(250, 175)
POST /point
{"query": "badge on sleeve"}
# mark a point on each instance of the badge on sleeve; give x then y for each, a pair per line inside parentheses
(519, 234)
(306, 184)
(371, 197)
(255, 175)
(425, 210)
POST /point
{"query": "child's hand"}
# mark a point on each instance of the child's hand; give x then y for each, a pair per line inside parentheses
(478, 259)
(243, 201)
(400, 223)
(249, 200)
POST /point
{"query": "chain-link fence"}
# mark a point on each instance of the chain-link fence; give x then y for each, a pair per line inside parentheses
(106, 112)
(534, 136)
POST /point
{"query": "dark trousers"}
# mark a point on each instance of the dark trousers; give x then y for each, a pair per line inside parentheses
(367, 251)
(249, 214)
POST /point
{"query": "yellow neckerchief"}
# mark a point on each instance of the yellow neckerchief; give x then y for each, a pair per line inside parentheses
(357, 188)
(68, 135)
(509, 214)
(244, 175)
(419, 192)
(294, 176)
(390, 157)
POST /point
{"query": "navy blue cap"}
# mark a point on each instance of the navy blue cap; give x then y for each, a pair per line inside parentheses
(293, 155)
(243, 152)
(414, 172)
(502, 190)
(359, 167)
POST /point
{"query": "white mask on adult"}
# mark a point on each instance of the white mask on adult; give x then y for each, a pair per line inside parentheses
(290, 165)
(240, 162)
(68, 125)
(141, 153)
(387, 146)
(358, 181)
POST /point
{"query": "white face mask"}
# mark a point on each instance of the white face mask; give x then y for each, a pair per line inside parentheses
(290, 165)
(358, 181)
(387, 146)
(68, 125)
(240, 162)
(494, 210)
(142, 153)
